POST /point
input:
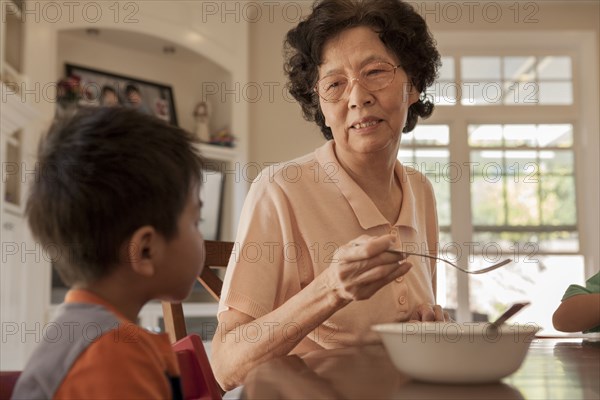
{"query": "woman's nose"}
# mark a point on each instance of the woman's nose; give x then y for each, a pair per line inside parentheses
(359, 96)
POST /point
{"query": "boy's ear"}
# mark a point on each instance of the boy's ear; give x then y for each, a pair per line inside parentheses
(142, 250)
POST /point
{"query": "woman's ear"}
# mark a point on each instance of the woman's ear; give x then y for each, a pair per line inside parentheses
(143, 249)
(413, 94)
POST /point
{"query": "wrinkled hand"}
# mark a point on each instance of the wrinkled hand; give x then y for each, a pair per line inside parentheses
(429, 312)
(362, 267)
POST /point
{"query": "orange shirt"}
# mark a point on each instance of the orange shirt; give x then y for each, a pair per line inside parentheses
(293, 220)
(92, 351)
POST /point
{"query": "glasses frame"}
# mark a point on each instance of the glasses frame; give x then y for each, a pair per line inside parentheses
(351, 80)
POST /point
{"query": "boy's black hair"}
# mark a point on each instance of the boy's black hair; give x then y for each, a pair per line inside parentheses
(100, 176)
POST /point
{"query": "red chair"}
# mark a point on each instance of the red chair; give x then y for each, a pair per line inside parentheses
(197, 379)
(8, 380)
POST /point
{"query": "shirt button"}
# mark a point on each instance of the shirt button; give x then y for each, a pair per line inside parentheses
(402, 300)
(400, 279)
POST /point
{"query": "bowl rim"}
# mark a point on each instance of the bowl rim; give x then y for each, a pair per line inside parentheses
(455, 328)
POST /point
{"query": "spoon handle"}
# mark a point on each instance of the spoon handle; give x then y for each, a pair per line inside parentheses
(515, 308)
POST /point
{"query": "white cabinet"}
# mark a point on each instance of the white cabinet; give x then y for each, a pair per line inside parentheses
(21, 265)
(11, 42)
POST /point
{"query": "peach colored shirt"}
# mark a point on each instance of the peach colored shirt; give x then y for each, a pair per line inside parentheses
(293, 220)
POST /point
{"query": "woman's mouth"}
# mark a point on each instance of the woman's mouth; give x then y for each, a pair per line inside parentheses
(368, 124)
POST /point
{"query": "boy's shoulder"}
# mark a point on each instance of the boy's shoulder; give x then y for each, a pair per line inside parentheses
(85, 347)
(75, 327)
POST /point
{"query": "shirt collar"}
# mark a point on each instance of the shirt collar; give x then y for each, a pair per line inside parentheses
(366, 212)
(87, 297)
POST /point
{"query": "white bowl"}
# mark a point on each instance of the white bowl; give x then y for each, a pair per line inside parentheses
(449, 352)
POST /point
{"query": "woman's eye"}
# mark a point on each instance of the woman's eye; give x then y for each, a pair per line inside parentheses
(333, 85)
(374, 72)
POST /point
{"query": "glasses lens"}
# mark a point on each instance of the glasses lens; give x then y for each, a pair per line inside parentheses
(376, 76)
(331, 88)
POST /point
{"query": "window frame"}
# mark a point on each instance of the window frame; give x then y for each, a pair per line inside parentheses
(581, 47)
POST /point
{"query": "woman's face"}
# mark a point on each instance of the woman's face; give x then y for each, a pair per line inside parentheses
(384, 110)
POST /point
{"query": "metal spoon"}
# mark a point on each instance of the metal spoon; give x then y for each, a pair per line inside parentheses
(477, 271)
(512, 310)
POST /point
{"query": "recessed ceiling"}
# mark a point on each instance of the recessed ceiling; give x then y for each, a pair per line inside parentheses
(136, 41)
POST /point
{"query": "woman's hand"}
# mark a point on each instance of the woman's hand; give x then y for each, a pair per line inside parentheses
(429, 312)
(362, 267)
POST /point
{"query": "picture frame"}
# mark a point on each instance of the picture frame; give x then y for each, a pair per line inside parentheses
(212, 195)
(103, 88)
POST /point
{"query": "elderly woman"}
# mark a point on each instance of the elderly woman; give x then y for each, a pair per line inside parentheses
(312, 270)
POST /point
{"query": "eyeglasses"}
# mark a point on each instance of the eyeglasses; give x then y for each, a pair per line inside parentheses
(374, 76)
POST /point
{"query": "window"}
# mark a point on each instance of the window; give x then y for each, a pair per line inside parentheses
(501, 152)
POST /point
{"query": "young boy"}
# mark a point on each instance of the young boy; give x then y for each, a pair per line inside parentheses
(117, 193)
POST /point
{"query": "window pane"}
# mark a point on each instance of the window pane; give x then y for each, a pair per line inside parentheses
(432, 135)
(556, 162)
(491, 293)
(521, 165)
(441, 188)
(446, 72)
(407, 139)
(523, 202)
(520, 93)
(559, 241)
(488, 164)
(558, 201)
(481, 93)
(444, 90)
(445, 240)
(431, 162)
(480, 68)
(525, 243)
(485, 135)
(556, 92)
(406, 157)
(519, 69)
(553, 67)
(510, 241)
(446, 295)
(487, 201)
(556, 135)
(513, 80)
(434, 165)
(520, 135)
(444, 93)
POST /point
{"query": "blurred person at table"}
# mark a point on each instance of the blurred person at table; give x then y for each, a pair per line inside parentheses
(579, 310)
(312, 270)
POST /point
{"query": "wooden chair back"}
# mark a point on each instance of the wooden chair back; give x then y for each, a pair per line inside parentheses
(217, 256)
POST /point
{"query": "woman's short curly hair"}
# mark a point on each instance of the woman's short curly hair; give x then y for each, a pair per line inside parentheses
(401, 29)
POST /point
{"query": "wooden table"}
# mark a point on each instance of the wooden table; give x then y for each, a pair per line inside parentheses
(553, 369)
